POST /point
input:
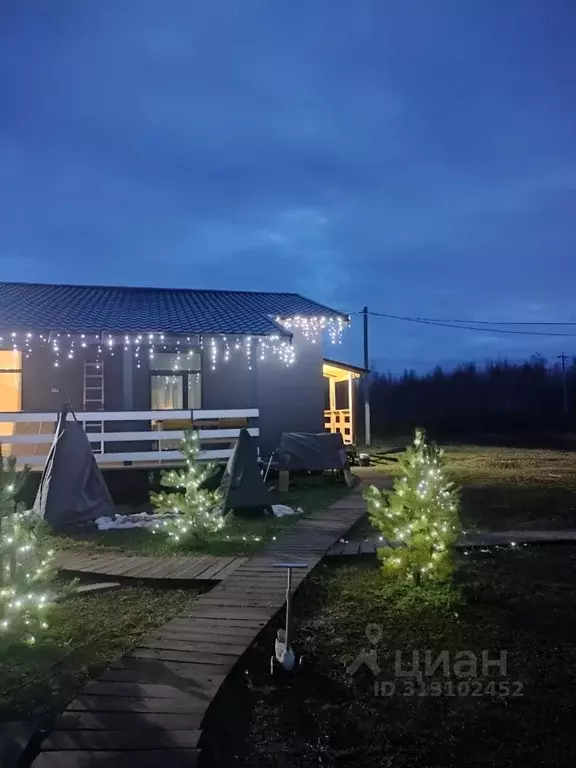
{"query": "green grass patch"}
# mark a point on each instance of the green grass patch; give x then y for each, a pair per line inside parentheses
(508, 488)
(86, 632)
(521, 602)
(241, 536)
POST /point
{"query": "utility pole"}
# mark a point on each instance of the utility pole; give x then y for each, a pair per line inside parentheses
(366, 381)
(563, 358)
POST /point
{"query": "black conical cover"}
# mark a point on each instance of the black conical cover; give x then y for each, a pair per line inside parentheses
(72, 489)
(242, 484)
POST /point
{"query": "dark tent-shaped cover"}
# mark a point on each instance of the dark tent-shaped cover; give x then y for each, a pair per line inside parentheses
(242, 484)
(72, 489)
(312, 452)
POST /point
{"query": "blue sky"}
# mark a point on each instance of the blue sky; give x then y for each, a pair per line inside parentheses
(418, 156)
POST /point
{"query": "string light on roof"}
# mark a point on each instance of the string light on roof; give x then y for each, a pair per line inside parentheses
(312, 327)
(248, 348)
(213, 352)
(64, 345)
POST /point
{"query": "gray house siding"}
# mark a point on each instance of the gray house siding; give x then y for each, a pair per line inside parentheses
(43, 385)
(231, 385)
(289, 398)
(47, 388)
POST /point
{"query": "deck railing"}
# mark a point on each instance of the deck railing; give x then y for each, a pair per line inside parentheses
(339, 420)
(28, 435)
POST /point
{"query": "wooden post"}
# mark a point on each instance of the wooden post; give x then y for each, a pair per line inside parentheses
(283, 481)
(351, 405)
(332, 398)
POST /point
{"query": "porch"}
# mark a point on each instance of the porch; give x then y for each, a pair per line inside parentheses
(129, 438)
(341, 393)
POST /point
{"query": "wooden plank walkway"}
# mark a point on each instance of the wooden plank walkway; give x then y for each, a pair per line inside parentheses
(471, 540)
(184, 568)
(147, 708)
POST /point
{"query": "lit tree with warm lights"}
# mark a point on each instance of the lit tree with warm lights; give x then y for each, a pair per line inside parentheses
(25, 561)
(419, 516)
(190, 508)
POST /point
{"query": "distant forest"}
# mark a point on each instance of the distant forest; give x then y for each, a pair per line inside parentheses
(497, 398)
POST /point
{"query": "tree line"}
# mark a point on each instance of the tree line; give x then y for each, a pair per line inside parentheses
(499, 397)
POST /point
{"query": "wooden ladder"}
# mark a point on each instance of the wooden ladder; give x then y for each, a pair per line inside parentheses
(93, 399)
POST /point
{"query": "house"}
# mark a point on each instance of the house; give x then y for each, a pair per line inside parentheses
(138, 365)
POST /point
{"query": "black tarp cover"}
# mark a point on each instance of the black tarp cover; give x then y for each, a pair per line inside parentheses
(313, 452)
(242, 484)
(72, 489)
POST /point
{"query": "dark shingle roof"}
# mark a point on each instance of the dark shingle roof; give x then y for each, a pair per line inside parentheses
(76, 308)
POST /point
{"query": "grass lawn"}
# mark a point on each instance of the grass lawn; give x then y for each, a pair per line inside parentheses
(241, 535)
(85, 633)
(522, 602)
(509, 488)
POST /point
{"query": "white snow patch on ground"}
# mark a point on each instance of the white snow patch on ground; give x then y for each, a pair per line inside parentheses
(281, 510)
(137, 520)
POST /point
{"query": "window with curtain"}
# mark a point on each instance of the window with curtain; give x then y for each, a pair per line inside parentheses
(176, 381)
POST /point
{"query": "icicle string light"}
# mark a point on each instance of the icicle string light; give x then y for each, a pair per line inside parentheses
(312, 327)
(221, 348)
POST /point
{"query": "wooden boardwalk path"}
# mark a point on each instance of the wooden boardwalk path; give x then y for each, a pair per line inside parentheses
(147, 708)
(184, 568)
(471, 539)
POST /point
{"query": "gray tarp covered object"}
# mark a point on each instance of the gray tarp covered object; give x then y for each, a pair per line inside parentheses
(300, 450)
(72, 489)
(242, 484)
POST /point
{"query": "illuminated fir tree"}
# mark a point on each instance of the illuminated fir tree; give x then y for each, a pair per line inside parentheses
(419, 516)
(191, 509)
(25, 561)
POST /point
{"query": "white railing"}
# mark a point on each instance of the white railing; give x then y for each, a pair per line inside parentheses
(214, 426)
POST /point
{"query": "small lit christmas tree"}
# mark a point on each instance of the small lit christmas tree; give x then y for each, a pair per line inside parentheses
(25, 560)
(191, 509)
(419, 515)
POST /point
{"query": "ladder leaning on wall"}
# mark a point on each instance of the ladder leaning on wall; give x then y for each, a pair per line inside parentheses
(93, 399)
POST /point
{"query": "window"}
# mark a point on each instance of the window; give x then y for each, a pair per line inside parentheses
(10, 389)
(10, 360)
(167, 393)
(175, 381)
(172, 361)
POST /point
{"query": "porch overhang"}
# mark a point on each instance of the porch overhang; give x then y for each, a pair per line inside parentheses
(337, 418)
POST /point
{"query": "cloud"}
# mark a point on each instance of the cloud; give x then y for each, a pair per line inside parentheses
(419, 159)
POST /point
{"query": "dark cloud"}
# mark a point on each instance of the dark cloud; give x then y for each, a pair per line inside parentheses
(415, 156)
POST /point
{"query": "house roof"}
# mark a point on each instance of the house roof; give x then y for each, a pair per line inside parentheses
(346, 366)
(96, 309)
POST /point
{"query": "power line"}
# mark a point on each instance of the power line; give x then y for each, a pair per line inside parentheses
(462, 326)
(491, 322)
